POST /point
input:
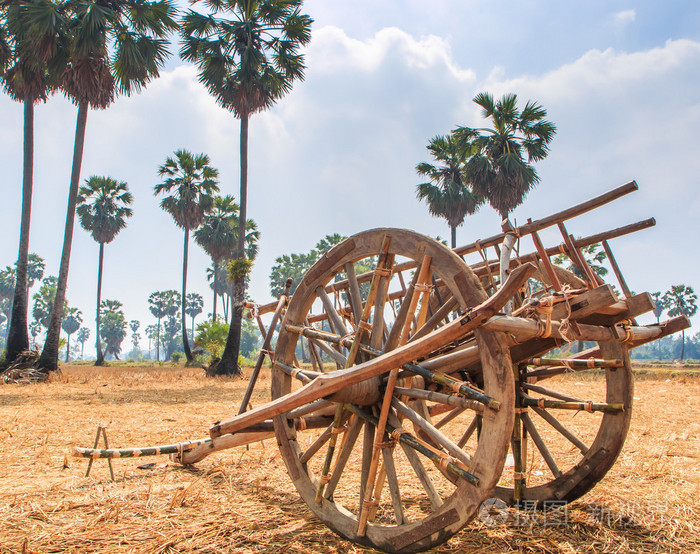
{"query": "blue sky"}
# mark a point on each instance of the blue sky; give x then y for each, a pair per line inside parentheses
(338, 154)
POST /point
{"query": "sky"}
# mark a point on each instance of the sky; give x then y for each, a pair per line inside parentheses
(621, 81)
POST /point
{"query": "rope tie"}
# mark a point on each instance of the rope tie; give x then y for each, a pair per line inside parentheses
(565, 327)
(325, 479)
(562, 248)
(445, 460)
(588, 406)
(545, 307)
(422, 287)
(628, 332)
(519, 475)
(521, 410)
(540, 403)
(383, 271)
(301, 426)
(396, 433)
(338, 430)
(590, 363)
(364, 325)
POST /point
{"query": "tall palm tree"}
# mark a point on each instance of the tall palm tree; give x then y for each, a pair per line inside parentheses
(193, 183)
(447, 193)
(158, 306)
(501, 168)
(248, 57)
(103, 208)
(115, 46)
(681, 300)
(32, 59)
(217, 236)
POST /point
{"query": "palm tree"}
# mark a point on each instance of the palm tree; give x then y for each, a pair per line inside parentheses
(193, 306)
(71, 323)
(158, 306)
(500, 169)
(82, 337)
(217, 236)
(32, 58)
(192, 182)
(113, 328)
(7, 290)
(247, 63)
(681, 300)
(114, 47)
(103, 208)
(447, 194)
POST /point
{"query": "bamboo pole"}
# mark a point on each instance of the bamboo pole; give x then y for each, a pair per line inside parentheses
(281, 303)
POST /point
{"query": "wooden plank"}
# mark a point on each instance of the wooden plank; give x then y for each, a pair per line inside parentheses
(629, 308)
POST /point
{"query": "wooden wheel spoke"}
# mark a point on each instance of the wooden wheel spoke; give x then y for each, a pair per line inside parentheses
(380, 298)
(345, 450)
(449, 417)
(469, 431)
(337, 357)
(334, 317)
(436, 319)
(429, 429)
(541, 446)
(335, 430)
(354, 292)
(420, 471)
(554, 422)
(389, 470)
(315, 446)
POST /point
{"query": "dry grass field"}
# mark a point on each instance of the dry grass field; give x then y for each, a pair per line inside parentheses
(241, 500)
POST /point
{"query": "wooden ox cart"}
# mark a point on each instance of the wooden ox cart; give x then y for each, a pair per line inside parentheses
(427, 375)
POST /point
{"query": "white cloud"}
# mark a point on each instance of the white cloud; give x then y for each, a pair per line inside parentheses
(621, 20)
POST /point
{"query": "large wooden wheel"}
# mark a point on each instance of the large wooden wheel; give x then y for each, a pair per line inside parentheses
(566, 451)
(569, 428)
(375, 471)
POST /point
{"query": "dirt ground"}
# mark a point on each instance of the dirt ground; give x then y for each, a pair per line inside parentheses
(241, 500)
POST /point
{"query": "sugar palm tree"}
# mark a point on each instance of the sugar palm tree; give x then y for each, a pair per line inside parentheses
(681, 300)
(114, 47)
(248, 57)
(32, 58)
(103, 208)
(192, 183)
(447, 193)
(193, 306)
(71, 323)
(218, 237)
(501, 168)
(82, 337)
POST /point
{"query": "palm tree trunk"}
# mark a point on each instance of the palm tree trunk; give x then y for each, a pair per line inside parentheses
(158, 342)
(682, 344)
(49, 356)
(98, 344)
(68, 348)
(216, 284)
(229, 359)
(185, 342)
(17, 338)
(453, 236)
